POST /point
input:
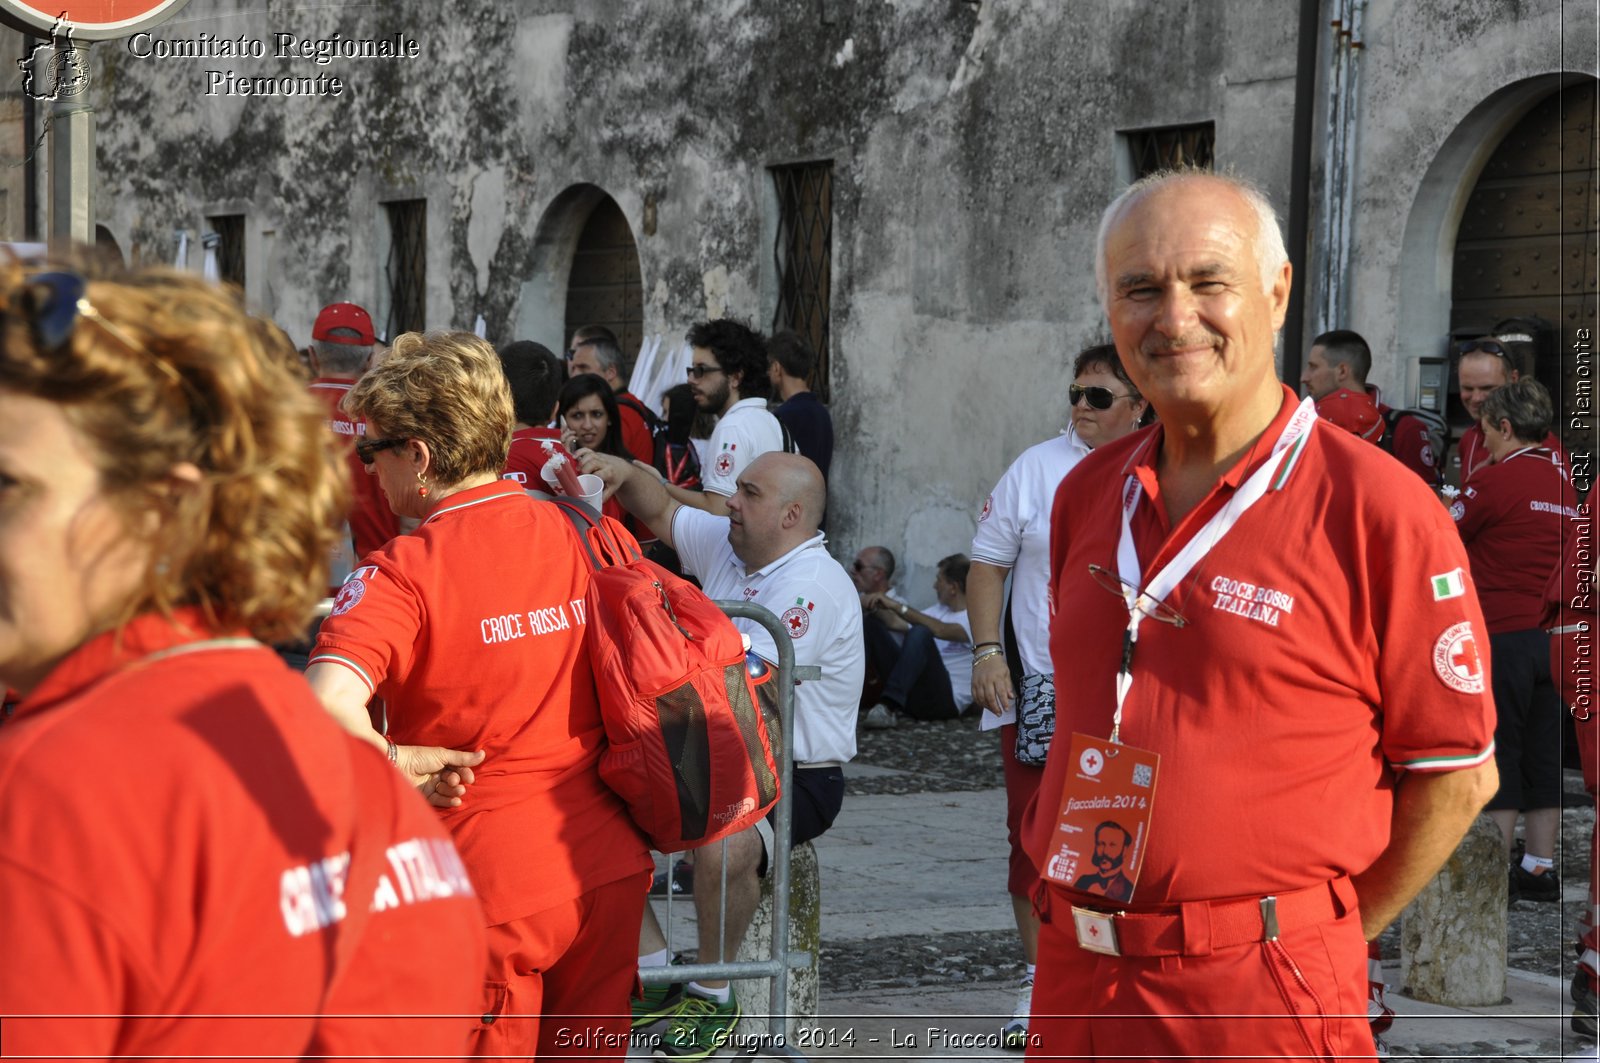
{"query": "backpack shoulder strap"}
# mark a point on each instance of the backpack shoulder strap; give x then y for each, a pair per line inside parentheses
(592, 532)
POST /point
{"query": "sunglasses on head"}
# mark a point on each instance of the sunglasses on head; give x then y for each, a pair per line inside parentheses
(1099, 398)
(1483, 347)
(55, 302)
(697, 371)
(367, 449)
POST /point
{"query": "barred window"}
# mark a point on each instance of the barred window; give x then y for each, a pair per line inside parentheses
(230, 246)
(1170, 147)
(803, 255)
(405, 272)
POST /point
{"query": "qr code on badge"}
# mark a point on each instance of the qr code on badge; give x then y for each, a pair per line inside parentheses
(1142, 774)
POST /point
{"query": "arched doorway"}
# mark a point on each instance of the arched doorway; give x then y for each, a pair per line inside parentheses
(1526, 246)
(584, 271)
(603, 285)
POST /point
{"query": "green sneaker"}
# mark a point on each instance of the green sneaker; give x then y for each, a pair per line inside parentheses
(698, 1028)
(659, 1001)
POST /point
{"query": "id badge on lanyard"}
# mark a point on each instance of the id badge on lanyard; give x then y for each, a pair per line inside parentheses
(1102, 825)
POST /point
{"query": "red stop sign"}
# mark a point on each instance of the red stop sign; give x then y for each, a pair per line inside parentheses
(89, 20)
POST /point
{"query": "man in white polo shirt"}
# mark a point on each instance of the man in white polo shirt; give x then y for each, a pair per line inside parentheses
(729, 378)
(767, 550)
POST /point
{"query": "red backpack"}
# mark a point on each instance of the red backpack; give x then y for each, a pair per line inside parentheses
(689, 750)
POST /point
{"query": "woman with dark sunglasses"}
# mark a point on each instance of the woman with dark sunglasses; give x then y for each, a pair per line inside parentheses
(1014, 538)
(468, 632)
(193, 856)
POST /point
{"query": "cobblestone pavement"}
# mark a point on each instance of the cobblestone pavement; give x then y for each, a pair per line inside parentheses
(952, 755)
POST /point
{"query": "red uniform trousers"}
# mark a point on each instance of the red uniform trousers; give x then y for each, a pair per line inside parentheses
(1301, 996)
(1022, 782)
(560, 980)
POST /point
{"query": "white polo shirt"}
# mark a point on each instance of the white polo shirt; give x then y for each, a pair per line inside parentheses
(742, 435)
(811, 594)
(1014, 532)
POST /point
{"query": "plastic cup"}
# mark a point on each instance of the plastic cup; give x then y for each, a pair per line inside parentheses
(593, 487)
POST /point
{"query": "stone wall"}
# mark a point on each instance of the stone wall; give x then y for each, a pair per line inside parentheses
(973, 145)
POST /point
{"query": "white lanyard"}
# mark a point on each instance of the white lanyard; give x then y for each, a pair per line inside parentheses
(1271, 475)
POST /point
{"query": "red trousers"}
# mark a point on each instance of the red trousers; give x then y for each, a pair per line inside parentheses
(1022, 782)
(1303, 996)
(560, 980)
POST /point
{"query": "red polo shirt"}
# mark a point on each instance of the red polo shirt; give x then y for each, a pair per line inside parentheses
(471, 630)
(174, 817)
(1315, 663)
(1513, 517)
(372, 522)
(1475, 453)
(525, 461)
(636, 435)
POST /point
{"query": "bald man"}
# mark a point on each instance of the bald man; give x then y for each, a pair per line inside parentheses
(1189, 612)
(767, 550)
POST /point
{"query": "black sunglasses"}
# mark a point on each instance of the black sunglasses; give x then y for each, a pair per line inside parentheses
(1483, 347)
(1099, 398)
(697, 371)
(367, 449)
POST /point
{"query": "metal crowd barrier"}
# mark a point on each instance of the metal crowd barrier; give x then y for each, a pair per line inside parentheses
(778, 1041)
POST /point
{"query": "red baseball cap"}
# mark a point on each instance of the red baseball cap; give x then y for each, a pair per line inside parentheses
(344, 316)
(1354, 411)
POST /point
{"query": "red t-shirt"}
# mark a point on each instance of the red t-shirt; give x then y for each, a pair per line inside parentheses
(1315, 663)
(1513, 517)
(471, 630)
(1475, 454)
(636, 435)
(372, 522)
(172, 813)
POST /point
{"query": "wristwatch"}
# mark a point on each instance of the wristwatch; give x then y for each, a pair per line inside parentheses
(903, 608)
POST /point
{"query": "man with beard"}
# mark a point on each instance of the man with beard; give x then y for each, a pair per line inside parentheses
(1111, 841)
(728, 376)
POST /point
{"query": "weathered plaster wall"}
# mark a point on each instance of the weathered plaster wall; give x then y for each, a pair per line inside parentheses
(1442, 81)
(973, 146)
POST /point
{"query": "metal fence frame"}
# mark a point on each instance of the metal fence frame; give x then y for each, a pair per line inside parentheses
(777, 967)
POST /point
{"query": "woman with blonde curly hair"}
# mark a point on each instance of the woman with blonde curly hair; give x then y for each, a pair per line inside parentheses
(471, 631)
(193, 858)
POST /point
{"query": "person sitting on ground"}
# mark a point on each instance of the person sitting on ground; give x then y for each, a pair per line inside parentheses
(536, 376)
(929, 672)
(767, 551)
(192, 854)
(467, 632)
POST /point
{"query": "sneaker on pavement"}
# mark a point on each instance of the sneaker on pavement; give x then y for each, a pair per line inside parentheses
(1584, 1005)
(1527, 886)
(658, 1002)
(698, 1027)
(879, 718)
(1014, 1034)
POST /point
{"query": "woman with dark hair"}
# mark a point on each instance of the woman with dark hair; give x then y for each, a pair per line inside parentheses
(590, 420)
(466, 629)
(194, 859)
(589, 416)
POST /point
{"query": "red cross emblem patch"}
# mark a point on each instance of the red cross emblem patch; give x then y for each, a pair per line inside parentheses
(796, 621)
(724, 463)
(1456, 660)
(349, 595)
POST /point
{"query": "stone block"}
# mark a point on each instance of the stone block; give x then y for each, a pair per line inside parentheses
(805, 934)
(1453, 934)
